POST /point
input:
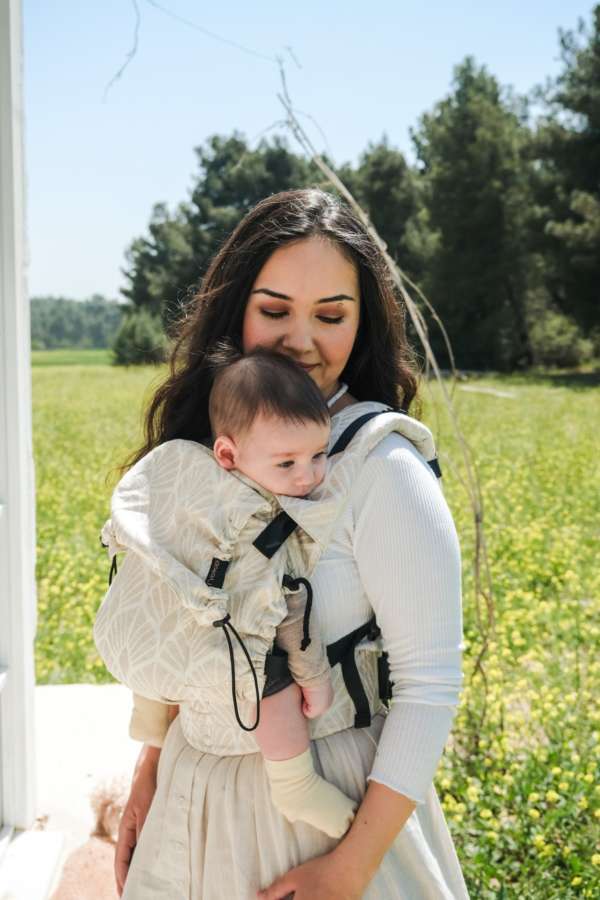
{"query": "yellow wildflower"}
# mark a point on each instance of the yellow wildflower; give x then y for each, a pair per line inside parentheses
(534, 813)
(552, 796)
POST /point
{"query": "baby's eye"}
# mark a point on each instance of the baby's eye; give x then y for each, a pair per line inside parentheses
(319, 455)
(286, 464)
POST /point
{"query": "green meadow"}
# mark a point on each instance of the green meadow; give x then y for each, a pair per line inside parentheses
(519, 777)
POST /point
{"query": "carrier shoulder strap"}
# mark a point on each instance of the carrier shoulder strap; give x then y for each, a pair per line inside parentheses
(349, 432)
(279, 529)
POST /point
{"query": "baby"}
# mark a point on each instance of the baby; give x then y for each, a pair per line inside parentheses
(270, 423)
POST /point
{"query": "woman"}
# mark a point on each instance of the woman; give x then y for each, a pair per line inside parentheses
(300, 274)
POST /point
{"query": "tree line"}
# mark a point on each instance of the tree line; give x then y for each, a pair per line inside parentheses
(59, 322)
(497, 221)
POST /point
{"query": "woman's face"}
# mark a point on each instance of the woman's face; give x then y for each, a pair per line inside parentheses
(305, 303)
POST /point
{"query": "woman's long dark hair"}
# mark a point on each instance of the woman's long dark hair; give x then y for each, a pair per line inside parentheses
(381, 366)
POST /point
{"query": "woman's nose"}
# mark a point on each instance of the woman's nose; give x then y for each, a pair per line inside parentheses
(298, 339)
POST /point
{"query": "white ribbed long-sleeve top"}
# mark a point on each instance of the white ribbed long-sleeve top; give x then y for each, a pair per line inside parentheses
(396, 553)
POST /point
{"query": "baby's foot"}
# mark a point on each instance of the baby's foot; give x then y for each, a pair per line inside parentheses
(301, 795)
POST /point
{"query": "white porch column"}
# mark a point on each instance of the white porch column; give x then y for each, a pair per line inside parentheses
(17, 511)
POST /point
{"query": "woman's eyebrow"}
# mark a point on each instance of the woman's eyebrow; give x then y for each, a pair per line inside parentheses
(285, 296)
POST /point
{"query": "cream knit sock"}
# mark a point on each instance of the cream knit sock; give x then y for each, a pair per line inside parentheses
(300, 794)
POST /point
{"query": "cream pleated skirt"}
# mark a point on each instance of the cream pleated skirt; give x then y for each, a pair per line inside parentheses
(212, 832)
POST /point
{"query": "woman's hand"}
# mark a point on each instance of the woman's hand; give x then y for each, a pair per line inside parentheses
(345, 872)
(143, 786)
(323, 877)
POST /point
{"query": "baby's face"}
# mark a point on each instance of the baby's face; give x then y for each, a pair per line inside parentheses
(283, 457)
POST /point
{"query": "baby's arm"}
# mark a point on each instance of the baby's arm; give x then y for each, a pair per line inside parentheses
(310, 667)
(317, 699)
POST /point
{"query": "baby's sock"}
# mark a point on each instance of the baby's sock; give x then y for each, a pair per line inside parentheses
(300, 794)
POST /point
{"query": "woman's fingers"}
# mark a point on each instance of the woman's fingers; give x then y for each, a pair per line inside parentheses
(126, 841)
(282, 889)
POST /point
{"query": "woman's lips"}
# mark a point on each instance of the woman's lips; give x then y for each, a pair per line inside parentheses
(307, 367)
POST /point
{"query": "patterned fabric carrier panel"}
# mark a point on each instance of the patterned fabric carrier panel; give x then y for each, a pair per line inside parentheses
(178, 516)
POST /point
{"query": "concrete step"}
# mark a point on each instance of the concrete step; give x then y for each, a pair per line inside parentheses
(30, 865)
(82, 743)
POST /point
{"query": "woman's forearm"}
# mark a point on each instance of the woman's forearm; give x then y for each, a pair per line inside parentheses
(147, 762)
(379, 819)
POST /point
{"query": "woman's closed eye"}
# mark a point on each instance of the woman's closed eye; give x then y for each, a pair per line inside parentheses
(331, 320)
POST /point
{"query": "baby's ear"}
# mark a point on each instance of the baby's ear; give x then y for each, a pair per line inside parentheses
(224, 451)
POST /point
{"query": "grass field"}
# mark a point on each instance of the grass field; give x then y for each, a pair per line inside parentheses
(71, 358)
(523, 800)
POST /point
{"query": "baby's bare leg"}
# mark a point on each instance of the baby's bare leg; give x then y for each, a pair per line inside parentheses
(296, 790)
(282, 731)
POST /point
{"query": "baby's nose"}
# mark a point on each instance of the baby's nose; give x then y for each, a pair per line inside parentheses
(305, 480)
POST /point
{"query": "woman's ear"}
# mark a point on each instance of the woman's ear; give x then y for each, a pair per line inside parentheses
(224, 450)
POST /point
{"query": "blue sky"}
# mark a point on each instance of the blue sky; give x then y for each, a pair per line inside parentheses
(96, 165)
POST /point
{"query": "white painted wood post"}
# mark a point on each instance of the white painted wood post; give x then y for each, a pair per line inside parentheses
(17, 510)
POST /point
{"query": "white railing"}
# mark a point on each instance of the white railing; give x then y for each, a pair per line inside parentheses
(17, 517)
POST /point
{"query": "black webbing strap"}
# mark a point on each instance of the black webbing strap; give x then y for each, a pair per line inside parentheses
(273, 536)
(342, 651)
(434, 463)
(349, 432)
(383, 678)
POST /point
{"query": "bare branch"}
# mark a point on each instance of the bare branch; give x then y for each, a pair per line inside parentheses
(293, 55)
(131, 53)
(212, 34)
(482, 574)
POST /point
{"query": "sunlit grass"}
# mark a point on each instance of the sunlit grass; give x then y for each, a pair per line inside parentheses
(525, 809)
(99, 357)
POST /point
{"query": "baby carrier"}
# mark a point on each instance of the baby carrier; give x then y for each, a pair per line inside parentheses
(212, 555)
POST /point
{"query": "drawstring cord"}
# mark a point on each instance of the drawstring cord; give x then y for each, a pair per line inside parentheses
(224, 624)
(293, 584)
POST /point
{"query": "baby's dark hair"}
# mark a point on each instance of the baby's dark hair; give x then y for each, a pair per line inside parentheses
(260, 382)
